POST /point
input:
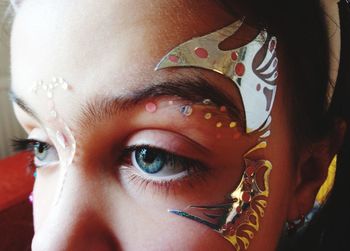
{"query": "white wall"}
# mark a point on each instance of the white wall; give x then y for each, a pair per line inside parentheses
(9, 128)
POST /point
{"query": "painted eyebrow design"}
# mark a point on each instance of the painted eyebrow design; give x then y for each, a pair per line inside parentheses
(106, 107)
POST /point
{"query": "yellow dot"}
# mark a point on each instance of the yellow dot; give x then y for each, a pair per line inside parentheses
(218, 124)
(233, 124)
(207, 115)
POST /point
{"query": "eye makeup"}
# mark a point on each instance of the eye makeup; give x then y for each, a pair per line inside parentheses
(202, 112)
(57, 130)
(252, 67)
(253, 70)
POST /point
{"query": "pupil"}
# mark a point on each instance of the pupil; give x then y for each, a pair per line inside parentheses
(150, 160)
(40, 148)
(149, 156)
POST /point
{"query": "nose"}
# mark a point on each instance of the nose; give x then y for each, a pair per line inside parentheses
(76, 222)
(73, 235)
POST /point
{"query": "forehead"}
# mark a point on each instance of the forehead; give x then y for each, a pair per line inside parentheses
(102, 48)
(127, 38)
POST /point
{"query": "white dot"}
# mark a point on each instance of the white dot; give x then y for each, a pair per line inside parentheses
(65, 86)
(53, 113)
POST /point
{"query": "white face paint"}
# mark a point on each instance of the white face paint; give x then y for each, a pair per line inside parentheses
(57, 130)
(254, 78)
(253, 68)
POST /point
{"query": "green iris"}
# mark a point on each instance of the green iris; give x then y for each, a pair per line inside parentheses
(150, 160)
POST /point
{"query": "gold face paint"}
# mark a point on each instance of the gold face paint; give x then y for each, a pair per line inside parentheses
(237, 219)
(261, 145)
(253, 69)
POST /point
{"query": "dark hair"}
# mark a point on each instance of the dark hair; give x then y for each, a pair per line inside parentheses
(326, 231)
(301, 27)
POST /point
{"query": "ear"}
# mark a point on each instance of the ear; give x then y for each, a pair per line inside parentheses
(312, 170)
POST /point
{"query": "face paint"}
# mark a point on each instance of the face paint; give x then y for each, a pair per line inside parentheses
(232, 124)
(253, 69)
(237, 219)
(186, 110)
(207, 101)
(261, 145)
(207, 115)
(151, 107)
(236, 135)
(223, 109)
(266, 125)
(58, 130)
(266, 134)
(254, 78)
(218, 124)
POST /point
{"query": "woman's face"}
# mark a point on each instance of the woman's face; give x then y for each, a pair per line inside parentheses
(98, 102)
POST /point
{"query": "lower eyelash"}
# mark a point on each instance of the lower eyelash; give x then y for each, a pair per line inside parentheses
(194, 176)
(28, 145)
(195, 171)
(25, 145)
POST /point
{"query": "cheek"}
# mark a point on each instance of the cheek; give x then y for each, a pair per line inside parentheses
(145, 230)
(282, 178)
(45, 189)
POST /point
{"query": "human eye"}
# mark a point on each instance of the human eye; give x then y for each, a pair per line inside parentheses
(149, 165)
(44, 154)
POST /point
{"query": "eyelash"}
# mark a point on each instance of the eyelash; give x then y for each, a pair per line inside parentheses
(28, 145)
(196, 171)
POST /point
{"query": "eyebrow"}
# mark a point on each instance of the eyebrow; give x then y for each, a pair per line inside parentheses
(23, 105)
(191, 90)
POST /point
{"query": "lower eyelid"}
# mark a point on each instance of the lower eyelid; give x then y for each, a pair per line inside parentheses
(155, 178)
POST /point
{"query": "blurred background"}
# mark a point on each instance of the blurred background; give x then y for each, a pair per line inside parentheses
(16, 181)
(9, 128)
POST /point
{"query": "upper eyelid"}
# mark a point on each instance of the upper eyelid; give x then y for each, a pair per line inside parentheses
(132, 148)
(180, 143)
(188, 90)
(191, 89)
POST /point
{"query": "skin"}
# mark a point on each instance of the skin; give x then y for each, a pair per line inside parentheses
(100, 208)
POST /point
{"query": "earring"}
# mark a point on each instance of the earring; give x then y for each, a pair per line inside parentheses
(294, 226)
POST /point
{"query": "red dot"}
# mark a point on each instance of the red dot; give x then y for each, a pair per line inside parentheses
(258, 87)
(272, 45)
(238, 210)
(240, 69)
(236, 135)
(232, 231)
(201, 52)
(173, 58)
(246, 197)
(250, 170)
(275, 62)
(151, 107)
(223, 109)
(234, 56)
